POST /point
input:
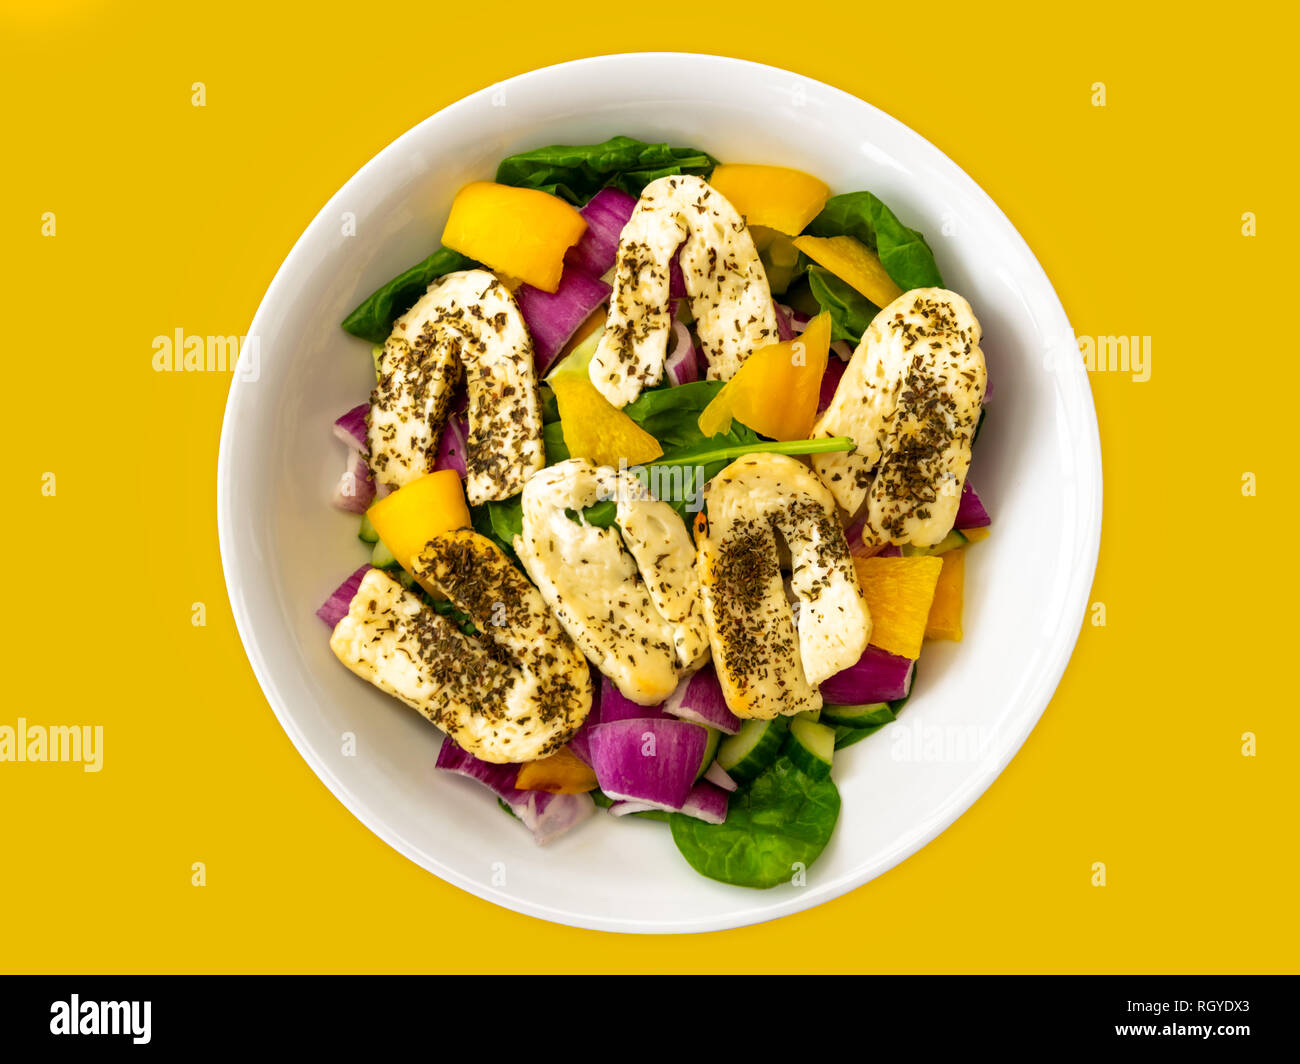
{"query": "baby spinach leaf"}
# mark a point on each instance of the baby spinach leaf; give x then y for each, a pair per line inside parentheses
(578, 172)
(903, 252)
(373, 319)
(851, 312)
(783, 818)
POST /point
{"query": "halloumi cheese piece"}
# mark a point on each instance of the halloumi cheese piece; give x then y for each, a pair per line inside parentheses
(725, 280)
(467, 322)
(911, 400)
(628, 595)
(514, 691)
(768, 662)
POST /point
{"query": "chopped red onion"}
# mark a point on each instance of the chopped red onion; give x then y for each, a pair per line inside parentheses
(706, 802)
(351, 428)
(628, 808)
(553, 317)
(682, 365)
(355, 490)
(970, 511)
(784, 329)
(699, 698)
(842, 350)
(548, 816)
(451, 445)
(878, 676)
(545, 815)
(606, 213)
(614, 706)
(717, 775)
(676, 282)
(335, 608)
(830, 381)
(650, 761)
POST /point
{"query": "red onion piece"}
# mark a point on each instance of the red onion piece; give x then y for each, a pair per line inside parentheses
(676, 282)
(650, 761)
(830, 381)
(451, 445)
(553, 317)
(615, 706)
(784, 327)
(706, 802)
(699, 698)
(351, 428)
(355, 490)
(878, 676)
(717, 775)
(335, 608)
(682, 365)
(970, 511)
(545, 815)
(606, 213)
(842, 350)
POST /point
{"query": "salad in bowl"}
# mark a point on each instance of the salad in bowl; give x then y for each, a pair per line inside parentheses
(663, 480)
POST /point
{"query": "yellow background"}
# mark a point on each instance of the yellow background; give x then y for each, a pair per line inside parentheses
(170, 215)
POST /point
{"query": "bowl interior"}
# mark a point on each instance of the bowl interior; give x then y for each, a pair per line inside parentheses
(1037, 468)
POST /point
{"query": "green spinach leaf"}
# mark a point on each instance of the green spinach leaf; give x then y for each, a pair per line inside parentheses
(851, 312)
(903, 252)
(578, 172)
(783, 818)
(373, 319)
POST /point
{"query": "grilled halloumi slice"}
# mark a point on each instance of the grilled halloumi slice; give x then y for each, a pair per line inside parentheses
(515, 691)
(629, 599)
(769, 663)
(467, 322)
(910, 399)
(725, 280)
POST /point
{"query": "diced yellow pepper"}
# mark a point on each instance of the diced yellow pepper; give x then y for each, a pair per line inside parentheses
(975, 535)
(945, 610)
(853, 263)
(595, 429)
(898, 592)
(564, 772)
(775, 391)
(521, 232)
(412, 515)
(774, 196)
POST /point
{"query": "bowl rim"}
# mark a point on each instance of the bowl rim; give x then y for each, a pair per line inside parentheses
(1088, 497)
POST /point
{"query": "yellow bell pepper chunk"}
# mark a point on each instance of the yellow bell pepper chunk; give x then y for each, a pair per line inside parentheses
(564, 772)
(975, 535)
(775, 391)
(595, 429)
(774, 196)
(520, 232)
(898, 593)
(412, 515)
(853, 263)
(945, 610)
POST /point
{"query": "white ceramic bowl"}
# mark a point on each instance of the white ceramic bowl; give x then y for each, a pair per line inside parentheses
(1037, 466)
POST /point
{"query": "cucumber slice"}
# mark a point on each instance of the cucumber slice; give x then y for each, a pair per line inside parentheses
(858, 716)
(406, 580)
(951, 541)
(381, 557)
(367, 534)
(746, 754)
(813, 715)
(811, 746)
(710, 750)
